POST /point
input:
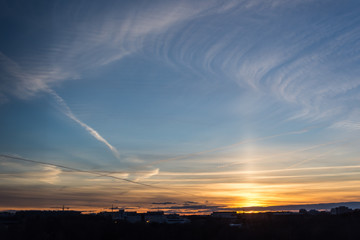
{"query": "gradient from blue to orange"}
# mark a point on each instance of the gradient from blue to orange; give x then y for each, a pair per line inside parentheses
(213, 103)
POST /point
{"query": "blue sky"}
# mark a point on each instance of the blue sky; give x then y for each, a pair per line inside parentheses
(219, 99)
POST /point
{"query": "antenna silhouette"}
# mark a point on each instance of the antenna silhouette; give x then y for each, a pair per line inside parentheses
(63, 207)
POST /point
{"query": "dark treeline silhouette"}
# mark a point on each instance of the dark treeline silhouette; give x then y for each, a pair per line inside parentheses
(255, 226)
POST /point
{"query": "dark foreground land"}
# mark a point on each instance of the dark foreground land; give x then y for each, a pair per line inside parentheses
(255, 226)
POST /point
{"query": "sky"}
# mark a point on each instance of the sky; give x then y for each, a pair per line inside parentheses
(183, 106)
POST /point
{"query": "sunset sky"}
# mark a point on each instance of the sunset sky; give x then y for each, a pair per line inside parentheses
(179, 105)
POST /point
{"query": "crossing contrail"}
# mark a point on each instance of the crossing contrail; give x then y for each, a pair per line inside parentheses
(77, 170)
(92, 172)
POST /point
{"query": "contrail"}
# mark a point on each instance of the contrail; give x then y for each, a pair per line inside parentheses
(92, 131)
(284, 153)
(232, 145)
(319, 155)
(259, 171)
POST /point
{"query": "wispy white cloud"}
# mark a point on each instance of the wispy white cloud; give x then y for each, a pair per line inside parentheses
(298, 65)
(275, 51)
(24, 81)
(90, 39)
(140, 175)
(264, 49)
